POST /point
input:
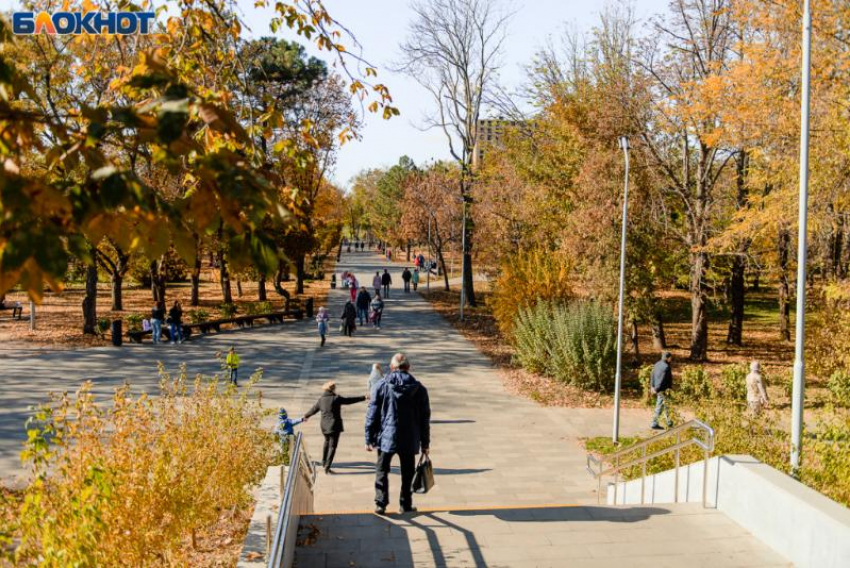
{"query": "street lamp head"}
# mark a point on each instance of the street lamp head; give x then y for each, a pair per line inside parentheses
(624, 143)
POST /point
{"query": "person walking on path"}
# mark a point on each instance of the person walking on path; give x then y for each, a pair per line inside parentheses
(661, 382)
(398, 422)
(330, 405)
(349, 319)
(323, 319)
(374, 378)
(157, 317)
(362, 305)
(377, 310)
(386, 281)
(377, 282)
(414, 279)
(353, 287)
(406, 276)
(232, 363)
(756, 393)
(175, 320)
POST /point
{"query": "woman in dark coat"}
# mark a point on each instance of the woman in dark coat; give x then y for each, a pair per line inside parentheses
(330, 405)
(349, 316)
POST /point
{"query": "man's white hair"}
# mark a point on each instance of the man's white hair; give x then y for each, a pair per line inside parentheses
(400, 361)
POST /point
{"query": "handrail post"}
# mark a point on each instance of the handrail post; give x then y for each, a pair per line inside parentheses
(705, 479)
(643, 478)
(678, 454)
(616, 476)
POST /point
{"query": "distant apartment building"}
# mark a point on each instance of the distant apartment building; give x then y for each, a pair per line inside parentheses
(489, 133)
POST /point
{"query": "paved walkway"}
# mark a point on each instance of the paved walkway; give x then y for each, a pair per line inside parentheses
(534, 537)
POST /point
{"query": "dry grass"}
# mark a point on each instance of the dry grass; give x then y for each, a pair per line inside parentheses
(761, 342)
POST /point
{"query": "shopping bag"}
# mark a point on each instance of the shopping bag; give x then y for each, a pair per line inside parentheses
(423, 479)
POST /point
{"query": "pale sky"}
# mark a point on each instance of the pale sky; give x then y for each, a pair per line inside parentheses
(381, 25)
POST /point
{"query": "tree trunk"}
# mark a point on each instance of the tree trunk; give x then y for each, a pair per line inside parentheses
(299, 274)
(408, 250)
(634, 338)
(117, 300)
(784, 245)
(737, 287)
(157, 272)
(90, 300)
(699, 307)
(224, 279)
(196, 282)
(756, 280)
(836, 245)
(659, 338)
(467, 280)
(261, 289)
(442, 262)
(238, 288)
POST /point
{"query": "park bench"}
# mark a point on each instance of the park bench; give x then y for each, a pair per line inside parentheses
(209, 326)
(17, 311)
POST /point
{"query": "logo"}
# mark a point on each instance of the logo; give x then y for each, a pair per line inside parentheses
(77, 23)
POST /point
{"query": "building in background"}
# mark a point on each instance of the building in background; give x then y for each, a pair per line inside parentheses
(489, 133)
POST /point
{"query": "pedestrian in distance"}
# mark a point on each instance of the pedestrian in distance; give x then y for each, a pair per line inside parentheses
(323, 319)
(175, 321)
(349, 319)
(421, 260)
(232, 364)
(377, 282)
(386, 282)
(756, 393)
(330, 405)
(362, 304)
(377, 310)
(661, 382)
(157, 318)
(414, 279)
(374, 378)
(405, 277)
(398, 422)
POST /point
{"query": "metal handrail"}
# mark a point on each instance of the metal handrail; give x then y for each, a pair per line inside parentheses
(596, 466)
(299, 464)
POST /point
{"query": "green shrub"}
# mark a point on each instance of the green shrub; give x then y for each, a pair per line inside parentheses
(103, 325)
(734, 380)
(228, 310)
(134, 322)
(695, 383)
(645, 379)
(198, 316)
(259, 308)
(531, 334)
(574, 343)
(839, 388)
(584, 345)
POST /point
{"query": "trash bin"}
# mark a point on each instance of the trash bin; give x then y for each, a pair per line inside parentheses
(308, 308)
(116, 333)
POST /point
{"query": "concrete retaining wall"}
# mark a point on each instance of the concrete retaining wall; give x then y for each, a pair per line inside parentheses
(801, 524)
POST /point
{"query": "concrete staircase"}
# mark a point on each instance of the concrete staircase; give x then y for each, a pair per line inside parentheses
(546, 536)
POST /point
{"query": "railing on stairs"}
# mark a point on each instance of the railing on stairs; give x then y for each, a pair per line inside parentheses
(297, 500)
(691, 433)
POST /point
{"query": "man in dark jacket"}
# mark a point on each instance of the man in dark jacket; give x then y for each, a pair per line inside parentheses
(363, 301)
(330, 405)
(398, 421)
(406, 276)
(661, 381)
(386, 280)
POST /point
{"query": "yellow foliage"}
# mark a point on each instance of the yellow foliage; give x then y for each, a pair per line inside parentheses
(128, 482)
(525, 279)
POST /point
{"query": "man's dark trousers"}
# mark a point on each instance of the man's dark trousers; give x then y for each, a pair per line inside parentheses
(329, 450)
(386, 290)
(382, 478)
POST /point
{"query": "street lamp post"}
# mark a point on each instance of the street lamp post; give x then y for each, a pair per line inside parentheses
(428, 277)
(463, 261)
(618, 378)
(798, 392)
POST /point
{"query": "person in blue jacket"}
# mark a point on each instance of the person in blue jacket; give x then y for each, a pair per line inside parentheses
(285, 428)
(398, 422)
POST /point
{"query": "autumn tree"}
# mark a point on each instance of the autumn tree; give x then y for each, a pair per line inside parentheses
(452, 50)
